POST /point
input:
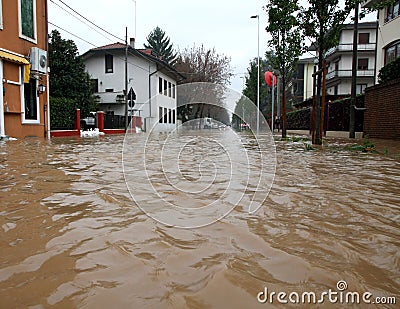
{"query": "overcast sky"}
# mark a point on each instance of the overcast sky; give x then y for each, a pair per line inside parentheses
(221, 24)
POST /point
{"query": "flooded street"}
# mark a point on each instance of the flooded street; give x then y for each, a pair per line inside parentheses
(74, 234)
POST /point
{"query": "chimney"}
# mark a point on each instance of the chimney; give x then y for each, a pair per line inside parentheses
(132, 42)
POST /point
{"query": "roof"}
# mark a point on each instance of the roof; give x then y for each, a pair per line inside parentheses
(307, 60)
(148, 54)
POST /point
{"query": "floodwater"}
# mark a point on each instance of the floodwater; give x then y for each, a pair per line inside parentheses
(74, 234)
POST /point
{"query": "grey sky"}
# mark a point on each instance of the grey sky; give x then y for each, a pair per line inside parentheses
(223, 24)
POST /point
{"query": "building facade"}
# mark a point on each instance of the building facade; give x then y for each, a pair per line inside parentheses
(152, 84)
(340, 58)
(388, 43)
(301, 85)
(23, 69)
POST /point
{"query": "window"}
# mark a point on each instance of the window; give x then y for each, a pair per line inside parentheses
(363, 64)
(30, 101)
(363, 38)
(169, 89)
(170, 115)
(165, 87)
(109, 63)
(27, 19)
(336, 90)
(173, 116)
(160, 83)
(109, 90)
(165, 115)
(392, 52)
(160, 115)
(173, 91)
(95, 85)
(360, 88)
(392, 11)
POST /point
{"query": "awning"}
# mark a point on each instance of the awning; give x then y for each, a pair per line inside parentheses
(20, 60)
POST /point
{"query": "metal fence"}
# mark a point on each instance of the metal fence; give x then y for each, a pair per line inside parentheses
(114, 122)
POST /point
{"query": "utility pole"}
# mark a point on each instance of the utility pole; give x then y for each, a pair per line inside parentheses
(273, 103)
(126, 79)
(352, 125)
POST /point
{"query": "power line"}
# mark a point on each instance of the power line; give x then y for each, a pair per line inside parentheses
(54, 25)
(76, 17)
(76, 12)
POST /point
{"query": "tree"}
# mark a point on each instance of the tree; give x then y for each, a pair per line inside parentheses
(286, 43)
(390, 71)
(68, 77)
(250, 93)
(202, 65)
(161, 45)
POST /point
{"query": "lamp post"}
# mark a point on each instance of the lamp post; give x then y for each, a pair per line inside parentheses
(135, 17)
(258, 71)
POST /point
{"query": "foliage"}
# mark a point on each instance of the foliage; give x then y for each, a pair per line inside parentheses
(286, 42)
(390, 71)
(338, 115)
(68, 77)
(62, 113)
(202, 65)
(250, 89)
(321, 21)
(199, 64)
(299, 120)
(161, 44)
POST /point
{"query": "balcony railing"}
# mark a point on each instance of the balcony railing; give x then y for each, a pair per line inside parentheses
(349, 47)
(349, 73)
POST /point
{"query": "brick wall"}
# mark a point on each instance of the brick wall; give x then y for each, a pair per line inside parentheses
(382, 115)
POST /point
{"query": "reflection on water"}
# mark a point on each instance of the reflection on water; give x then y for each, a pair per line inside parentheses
(71, 236)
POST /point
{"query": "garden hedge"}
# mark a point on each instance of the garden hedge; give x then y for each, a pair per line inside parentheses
(338, 114)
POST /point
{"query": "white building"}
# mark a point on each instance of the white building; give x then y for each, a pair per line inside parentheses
(151, 80)
(388, 47)
(339, 60)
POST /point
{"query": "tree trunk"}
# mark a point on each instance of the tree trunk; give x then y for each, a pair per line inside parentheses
(317, 129)
(284, 107)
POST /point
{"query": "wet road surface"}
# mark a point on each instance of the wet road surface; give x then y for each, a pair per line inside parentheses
(71, 235)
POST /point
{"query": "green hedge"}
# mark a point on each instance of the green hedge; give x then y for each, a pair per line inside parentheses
(62, 113)
(299, 120)
(338, 115)
(390, 71)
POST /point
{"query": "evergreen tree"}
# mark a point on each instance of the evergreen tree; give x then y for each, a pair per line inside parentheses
(286, 42)
(161, 44)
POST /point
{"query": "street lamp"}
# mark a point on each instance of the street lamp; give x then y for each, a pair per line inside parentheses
(258, 71)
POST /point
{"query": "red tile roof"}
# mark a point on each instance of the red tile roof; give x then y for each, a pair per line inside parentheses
(110, 46)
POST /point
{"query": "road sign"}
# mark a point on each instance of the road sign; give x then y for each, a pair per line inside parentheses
(131, 97)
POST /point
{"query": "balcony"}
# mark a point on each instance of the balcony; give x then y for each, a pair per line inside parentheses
(110, 98)
(349, 47)
(348, 73)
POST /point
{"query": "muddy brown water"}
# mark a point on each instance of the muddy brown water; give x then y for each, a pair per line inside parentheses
(71, 236)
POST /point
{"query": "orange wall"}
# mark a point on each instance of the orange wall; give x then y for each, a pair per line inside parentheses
(10, 40)
(9, 36)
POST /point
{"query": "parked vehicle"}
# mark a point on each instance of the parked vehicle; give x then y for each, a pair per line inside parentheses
(210, 123)
(89, 122)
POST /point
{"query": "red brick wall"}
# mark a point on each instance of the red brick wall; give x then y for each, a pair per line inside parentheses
(382, 115)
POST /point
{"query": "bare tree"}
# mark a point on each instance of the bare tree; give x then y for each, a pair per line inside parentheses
(202, 65)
